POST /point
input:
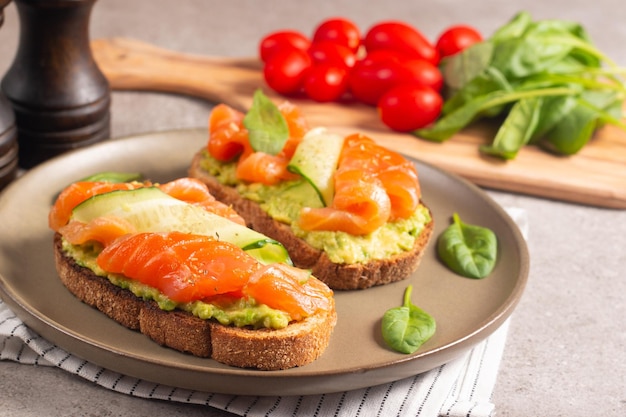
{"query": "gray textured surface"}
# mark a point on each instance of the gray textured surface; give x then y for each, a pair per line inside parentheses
(565, 354)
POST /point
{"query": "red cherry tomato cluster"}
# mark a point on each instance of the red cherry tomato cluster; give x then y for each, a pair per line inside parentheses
(392, 66)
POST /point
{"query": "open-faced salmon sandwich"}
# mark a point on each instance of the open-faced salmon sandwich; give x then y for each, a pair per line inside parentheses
(171, 261)
(343, 206)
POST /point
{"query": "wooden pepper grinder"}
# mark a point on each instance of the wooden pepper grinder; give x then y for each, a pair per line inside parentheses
(60, 97)
(8, 131)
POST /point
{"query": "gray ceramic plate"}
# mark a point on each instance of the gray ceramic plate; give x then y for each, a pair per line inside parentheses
(466, 310)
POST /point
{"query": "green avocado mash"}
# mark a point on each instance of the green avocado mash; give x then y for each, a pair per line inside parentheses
(284, 201)
(227, 311)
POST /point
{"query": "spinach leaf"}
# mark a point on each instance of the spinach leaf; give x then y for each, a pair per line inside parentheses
(515, 28)
(407, 327)
(451, 123)
(524, 63)
(267, 128)
(529, 55)
(469, 250)
(573, 131)
(490, 80)
(554, 109)
(114, 176)
(517, 128)
(461, 68)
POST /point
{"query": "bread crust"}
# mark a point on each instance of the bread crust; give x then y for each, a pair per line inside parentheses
(336, 276)
(265, 349)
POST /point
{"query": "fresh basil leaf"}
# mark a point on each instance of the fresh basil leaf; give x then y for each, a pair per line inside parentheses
(469, 250)
(267, 128)
(517, 128)
(407, 327)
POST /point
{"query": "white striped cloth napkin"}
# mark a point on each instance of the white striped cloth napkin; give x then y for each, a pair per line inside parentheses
(461, 387)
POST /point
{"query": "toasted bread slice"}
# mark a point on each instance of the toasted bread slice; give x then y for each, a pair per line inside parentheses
(266, 349)
(337, 276)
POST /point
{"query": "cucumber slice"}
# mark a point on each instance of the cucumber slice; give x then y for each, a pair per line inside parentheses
(151, 210)
(316, 161)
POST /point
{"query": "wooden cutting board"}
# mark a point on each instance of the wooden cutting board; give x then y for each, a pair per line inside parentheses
(595, 176)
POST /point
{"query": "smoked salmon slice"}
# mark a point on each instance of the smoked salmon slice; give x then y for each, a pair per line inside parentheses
(76, 193)
(373, 185)
(360, 206)
(190, 190)
(228, 140)
(289, 289)
(104, 229)
(187, 267)
(181, 266)
(264, 168)
(194, 191)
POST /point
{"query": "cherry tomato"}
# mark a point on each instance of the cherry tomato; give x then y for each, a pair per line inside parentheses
(401, 37)
(339, 30)
(326, 83)
(374, 75)
(425, 73)
(280, 40)
(457, 38)
(330, 53)
(408, 107)
(284, 71)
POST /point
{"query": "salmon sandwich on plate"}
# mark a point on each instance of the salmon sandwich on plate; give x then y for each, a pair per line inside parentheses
(172, 262)
(345, 207)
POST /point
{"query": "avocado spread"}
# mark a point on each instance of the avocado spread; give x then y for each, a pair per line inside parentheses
(284, 201)
(225, 310)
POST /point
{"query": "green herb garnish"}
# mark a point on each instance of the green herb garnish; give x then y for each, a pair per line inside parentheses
(267, 128)
(407, 327)
(468, 250)
(114, 176)
(544, 78)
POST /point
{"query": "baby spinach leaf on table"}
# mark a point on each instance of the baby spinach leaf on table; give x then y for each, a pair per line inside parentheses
(576, 128)
(461, 68)
(267, 128)
(407, 327)
(451, 123)
(490, 80)
(554, 109)
(514, 28)
(573, 131)
(517, 128)
(469, 250)
(527, 59)
(525, 56)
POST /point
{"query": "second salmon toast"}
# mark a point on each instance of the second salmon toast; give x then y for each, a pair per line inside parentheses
(343, 206)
